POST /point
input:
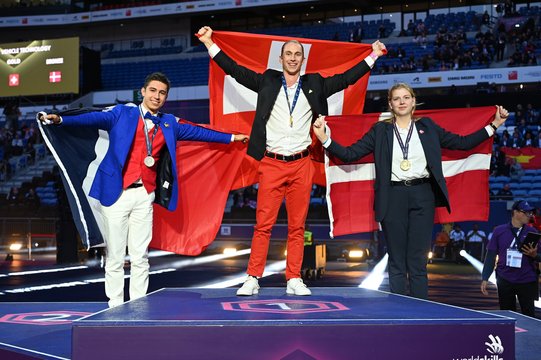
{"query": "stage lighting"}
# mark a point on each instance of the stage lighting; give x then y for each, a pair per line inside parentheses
(15, 246)
(356, 254)
(229, 251)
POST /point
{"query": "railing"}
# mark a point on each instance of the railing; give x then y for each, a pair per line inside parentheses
(21, 235)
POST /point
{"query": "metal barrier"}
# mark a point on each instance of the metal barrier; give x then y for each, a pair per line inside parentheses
(20, 235)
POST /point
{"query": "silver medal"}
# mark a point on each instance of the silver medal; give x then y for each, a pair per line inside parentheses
(149, 161)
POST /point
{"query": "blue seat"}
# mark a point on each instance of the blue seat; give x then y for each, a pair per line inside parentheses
(520, 194)
(503, 179)
(524, 185)
(535, 193)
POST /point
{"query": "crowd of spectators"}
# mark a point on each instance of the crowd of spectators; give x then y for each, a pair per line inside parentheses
(17, 140)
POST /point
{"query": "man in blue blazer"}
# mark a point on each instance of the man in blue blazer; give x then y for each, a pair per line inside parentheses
(129, 178)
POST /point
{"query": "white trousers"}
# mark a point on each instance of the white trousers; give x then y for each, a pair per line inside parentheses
(128, 222)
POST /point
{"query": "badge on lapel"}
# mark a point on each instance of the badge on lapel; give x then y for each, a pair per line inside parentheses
(310, 91)
(166, 124)
(421, 131)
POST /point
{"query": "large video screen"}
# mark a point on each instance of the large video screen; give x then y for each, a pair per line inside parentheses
(39, 67)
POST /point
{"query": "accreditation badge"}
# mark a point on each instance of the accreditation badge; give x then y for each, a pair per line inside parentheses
(514, 258)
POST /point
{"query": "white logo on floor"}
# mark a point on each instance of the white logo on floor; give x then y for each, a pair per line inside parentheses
(494, 347)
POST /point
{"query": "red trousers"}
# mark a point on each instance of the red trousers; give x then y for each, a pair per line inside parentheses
(279, 180)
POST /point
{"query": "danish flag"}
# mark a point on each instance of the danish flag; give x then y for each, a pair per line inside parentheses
(350, 187)
(55, 76)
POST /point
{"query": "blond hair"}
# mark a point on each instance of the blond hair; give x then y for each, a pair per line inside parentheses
(408, 88)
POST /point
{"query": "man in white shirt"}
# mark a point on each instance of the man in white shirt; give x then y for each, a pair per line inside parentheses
(475, 241)
(280, 139)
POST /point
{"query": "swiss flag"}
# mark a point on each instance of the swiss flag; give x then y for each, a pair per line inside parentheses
(55, 76)
(232, 106)
(13, 80)
(207, 172)
(350, 188)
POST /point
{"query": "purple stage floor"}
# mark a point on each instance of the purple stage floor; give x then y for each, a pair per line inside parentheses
(333, 323)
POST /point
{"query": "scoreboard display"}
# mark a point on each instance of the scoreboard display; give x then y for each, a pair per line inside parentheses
(39, 67)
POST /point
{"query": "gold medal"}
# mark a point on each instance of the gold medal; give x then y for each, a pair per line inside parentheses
(291, 121)
(149, 161)
(405, 165)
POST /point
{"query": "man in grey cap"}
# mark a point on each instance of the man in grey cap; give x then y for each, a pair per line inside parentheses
(517, 267)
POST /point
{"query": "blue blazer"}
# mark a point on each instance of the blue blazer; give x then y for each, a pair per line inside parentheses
(121, 124)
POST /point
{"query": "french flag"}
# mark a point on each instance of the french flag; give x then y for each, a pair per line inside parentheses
(206, 172)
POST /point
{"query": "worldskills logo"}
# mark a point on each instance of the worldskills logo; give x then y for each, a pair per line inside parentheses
(494, 347)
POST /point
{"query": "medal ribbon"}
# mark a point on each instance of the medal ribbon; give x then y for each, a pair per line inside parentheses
(295, 98)
(403, 147)
(155, 120)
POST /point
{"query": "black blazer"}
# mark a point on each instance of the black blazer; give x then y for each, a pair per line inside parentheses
(268, 85)
(379, 140)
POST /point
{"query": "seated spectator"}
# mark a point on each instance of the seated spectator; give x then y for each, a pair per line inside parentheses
(532, 115)
(529, 140)
(17, 144)
(31, 198)
(3, 170)
(515, 171)
(516, 140)
(505, 193)
(31, 152)
(13, 196)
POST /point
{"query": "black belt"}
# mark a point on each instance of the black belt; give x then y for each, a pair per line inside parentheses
(288, 158)
(411, 182)
(134, 185)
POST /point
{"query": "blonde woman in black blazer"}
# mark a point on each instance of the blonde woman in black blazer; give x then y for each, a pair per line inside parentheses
(409, 182)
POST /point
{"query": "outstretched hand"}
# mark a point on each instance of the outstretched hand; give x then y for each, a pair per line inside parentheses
(501, 115)
(47, 119)
(379, 48)
(205, 36)
(241, 138)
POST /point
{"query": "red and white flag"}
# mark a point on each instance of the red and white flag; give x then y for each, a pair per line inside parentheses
(207, 172)
(55, 76)
(232, 106)
(350, 188)
(13, 80)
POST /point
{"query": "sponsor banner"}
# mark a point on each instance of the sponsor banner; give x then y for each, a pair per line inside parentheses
(137, 12)
(512, 75)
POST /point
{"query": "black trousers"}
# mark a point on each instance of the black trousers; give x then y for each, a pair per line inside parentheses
(408, 227)
(526, 293)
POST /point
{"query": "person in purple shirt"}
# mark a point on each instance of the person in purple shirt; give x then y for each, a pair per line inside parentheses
(516, 270)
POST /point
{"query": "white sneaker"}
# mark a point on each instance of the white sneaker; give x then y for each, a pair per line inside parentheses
(250, 287)
(295, 286)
